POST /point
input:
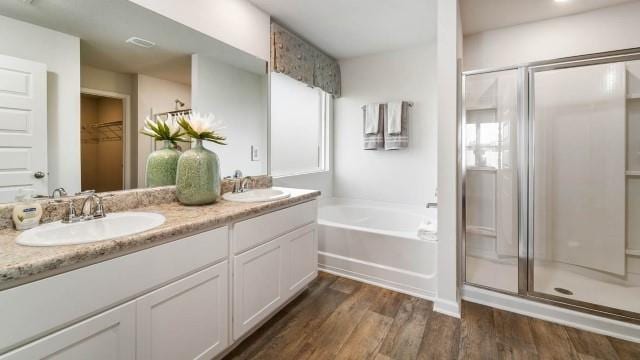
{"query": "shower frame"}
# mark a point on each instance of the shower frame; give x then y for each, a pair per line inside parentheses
(525, 172)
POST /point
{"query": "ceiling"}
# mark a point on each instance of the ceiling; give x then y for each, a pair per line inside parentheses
(346, 29)
(482, 15)
(103, 26)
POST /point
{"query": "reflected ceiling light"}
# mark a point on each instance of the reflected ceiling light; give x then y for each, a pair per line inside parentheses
(561, 1)
(140, 42)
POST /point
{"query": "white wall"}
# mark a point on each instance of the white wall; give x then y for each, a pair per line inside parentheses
(235, 22)
(238, 98)
(402, 176)
(612, 28)
(61, 53)
(155, 96)
(449, 48)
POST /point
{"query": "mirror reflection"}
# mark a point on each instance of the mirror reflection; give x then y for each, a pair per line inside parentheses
(75, 92)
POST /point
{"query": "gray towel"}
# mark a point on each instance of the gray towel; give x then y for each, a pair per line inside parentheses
(373, 141)
(401, 140)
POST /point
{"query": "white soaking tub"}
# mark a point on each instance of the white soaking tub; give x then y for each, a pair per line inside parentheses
(377, 242)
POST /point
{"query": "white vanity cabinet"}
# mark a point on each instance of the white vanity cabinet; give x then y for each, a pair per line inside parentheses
(110, 335)
(258, 286)
(186, 319)
(276, 257)
(192, 298)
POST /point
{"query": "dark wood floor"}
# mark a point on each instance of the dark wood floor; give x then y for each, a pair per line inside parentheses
(337, 318)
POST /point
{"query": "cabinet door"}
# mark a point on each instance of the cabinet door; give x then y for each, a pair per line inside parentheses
(258, 285)
(301, 258)
(187, 319)
(110, 335)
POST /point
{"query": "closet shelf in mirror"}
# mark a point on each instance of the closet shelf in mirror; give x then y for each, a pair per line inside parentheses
(632, 172)
(633, 96)
(633, 252)
(107, 124)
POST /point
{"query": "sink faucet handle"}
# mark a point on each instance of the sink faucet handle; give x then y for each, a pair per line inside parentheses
(70, 213)
(99, 212)
(237, 174)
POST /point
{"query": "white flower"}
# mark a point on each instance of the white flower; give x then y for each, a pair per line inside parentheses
(204, 123)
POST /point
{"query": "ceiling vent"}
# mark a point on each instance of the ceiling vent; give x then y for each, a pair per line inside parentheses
(141, 42)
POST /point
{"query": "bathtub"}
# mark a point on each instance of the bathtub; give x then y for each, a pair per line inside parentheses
(377, 243)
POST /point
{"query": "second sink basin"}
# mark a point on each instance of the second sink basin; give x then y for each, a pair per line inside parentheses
(112, 226)
(257, 195)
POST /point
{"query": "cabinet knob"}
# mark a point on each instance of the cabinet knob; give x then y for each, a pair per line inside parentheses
(38, 175)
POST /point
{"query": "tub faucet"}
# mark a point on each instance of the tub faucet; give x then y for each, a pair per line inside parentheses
(432, 205)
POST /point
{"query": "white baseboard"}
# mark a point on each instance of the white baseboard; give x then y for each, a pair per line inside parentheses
(423, 294)
(576, 319)
(447, 307)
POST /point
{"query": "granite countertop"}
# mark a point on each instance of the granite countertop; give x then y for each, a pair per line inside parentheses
(22, 264)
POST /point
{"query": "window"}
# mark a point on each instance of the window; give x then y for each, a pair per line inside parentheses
(299, 127)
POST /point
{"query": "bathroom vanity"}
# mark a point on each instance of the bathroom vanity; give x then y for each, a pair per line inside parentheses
(189, 289)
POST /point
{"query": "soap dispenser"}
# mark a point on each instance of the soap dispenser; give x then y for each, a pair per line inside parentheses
(27, 211)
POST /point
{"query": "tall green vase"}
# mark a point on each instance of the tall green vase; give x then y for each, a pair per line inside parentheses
(198, 177)
(162, 165)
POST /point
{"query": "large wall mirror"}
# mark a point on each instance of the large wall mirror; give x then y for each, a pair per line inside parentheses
(78, 78)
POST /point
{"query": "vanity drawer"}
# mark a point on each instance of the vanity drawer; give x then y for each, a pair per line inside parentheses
(252, 232)
(37, 308)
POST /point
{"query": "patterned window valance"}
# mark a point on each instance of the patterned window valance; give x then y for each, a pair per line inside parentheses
(302, 61)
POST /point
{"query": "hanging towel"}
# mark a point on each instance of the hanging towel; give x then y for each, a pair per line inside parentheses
(394, 114)
(376, 140)
(428, 230)
(399, 140)
(371, 118)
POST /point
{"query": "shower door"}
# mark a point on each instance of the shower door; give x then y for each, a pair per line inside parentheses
(581, 186)
(550, 182)
(492, 108)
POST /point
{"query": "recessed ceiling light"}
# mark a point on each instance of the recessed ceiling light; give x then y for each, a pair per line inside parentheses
(561, 1)
(141, 42)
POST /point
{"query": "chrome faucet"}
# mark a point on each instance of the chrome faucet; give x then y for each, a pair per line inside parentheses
(240, 183)
(92, 207)
(244, 183)
(58, 193)
(432, 205)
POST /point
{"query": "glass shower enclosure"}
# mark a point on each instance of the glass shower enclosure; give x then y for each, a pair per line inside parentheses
(550, 181)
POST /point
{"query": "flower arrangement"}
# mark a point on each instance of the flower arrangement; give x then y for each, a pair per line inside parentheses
(202, 127)
(163, 130)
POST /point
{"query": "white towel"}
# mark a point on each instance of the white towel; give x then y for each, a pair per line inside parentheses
(401, 139)
(428, 230)
(394, 117)
(371, 118)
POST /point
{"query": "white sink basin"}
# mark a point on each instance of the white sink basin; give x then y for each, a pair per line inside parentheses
(112, 226)
(257, 195)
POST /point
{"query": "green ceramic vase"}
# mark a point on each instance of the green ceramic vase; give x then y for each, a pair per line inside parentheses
(162, 165)
(198, 177)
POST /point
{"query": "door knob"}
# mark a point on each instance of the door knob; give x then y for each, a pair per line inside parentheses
(38, 174)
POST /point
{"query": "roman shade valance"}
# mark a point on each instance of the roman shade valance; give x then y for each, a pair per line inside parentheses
(300, 60)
